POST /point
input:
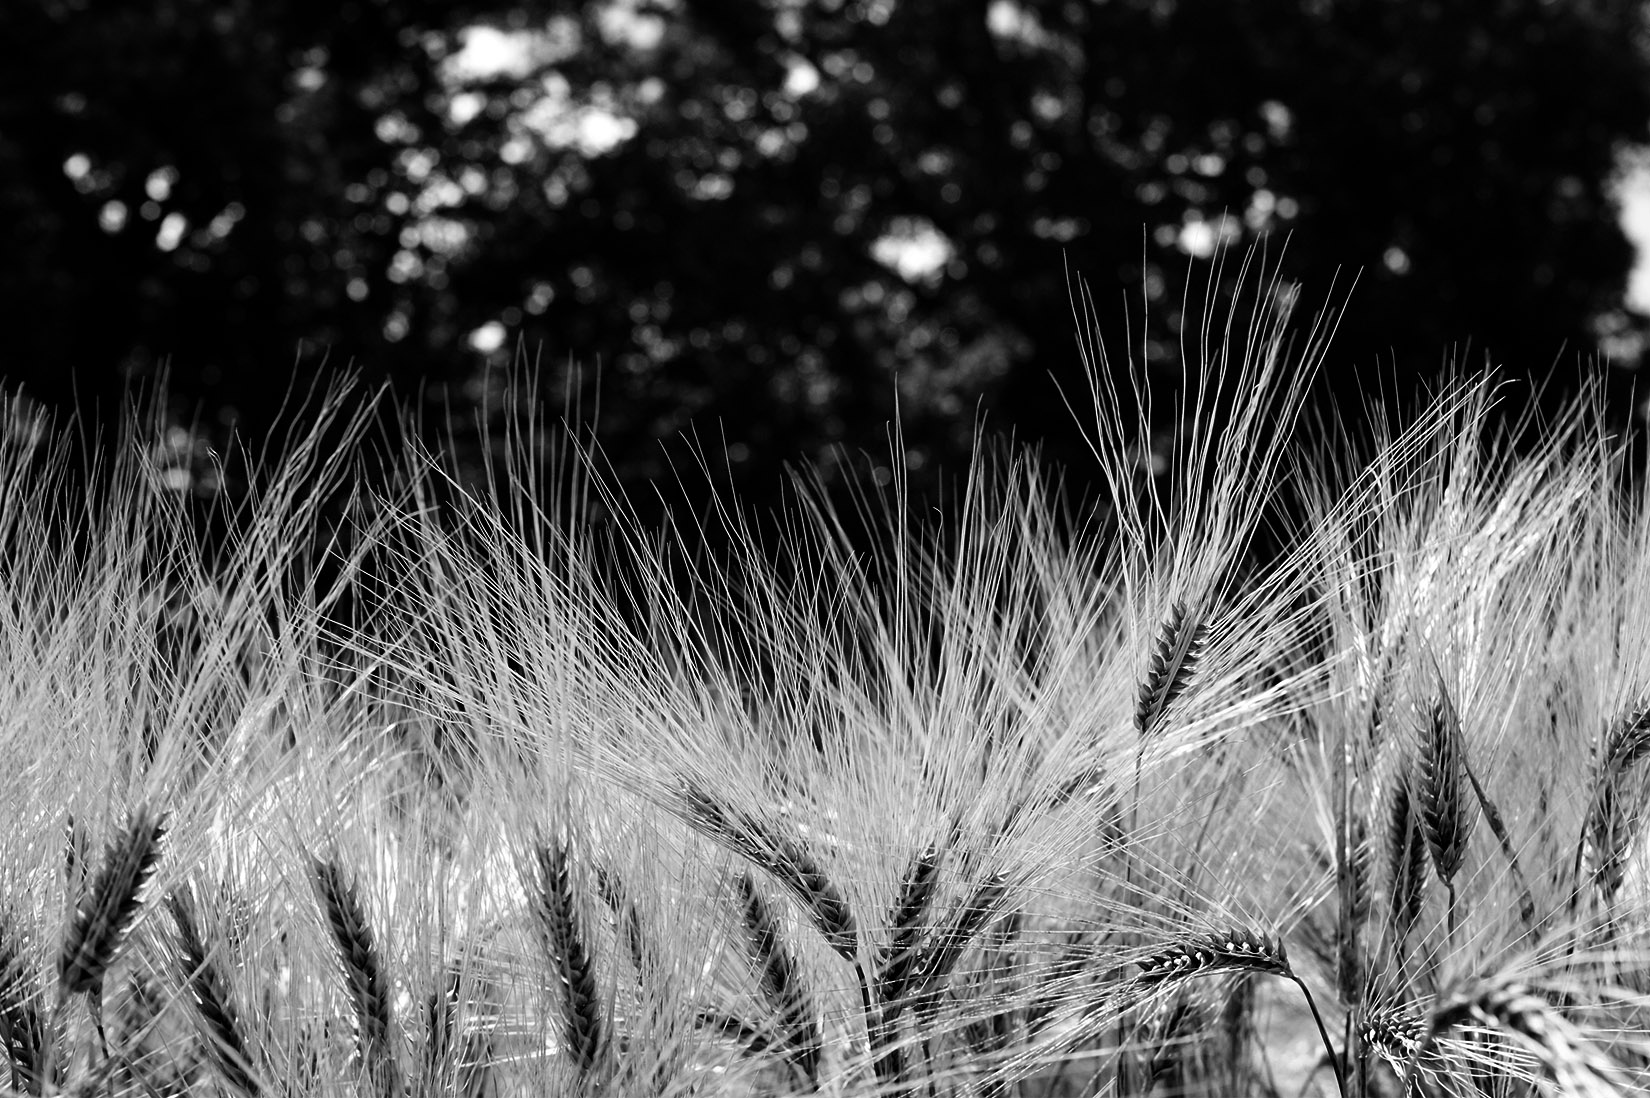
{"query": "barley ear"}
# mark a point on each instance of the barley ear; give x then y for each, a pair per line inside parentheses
(561, 932)
(1628, 741)
(787, 860)
(945, 949)
(651, 968)
(1233, 950)
(1236, 950)
(1352, 882)
(1406, 857)
(905, 924)
(110, 906)
(1447, 812)
(458, 1051)
(781, 983)
(22, 1026)
(1395, 1031)
(1609, 826)
(440, 1024)
(1180, 643)
(363, 971)
(1574, 1061)
(214, 1003)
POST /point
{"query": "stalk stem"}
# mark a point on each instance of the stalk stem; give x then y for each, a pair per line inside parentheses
(1323, 1034)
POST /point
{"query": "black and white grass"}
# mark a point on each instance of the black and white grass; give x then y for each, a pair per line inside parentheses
(468, 784)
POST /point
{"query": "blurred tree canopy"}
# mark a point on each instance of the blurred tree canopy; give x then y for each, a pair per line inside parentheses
(768, 220)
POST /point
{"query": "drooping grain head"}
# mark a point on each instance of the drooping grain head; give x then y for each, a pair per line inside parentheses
(785, 858)
(1237, 950)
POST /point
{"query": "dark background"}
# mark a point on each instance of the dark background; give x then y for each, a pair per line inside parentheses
(680, 209)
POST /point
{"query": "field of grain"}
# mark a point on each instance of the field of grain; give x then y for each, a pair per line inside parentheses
(436, 787)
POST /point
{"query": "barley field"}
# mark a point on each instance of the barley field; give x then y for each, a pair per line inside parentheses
(422, 784)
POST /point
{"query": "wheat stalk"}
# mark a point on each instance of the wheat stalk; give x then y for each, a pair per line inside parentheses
(362, 969)
(214, 1003)
(105, 916)
(561, 932)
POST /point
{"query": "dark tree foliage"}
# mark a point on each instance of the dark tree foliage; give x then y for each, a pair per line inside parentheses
(686, 209)
(206, 184)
